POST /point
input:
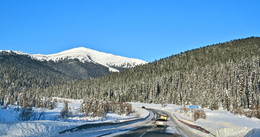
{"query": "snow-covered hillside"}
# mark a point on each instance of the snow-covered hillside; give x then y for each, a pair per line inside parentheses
(89, 55)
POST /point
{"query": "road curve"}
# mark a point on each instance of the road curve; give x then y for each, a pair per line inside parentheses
(151, 130)
(138, 128)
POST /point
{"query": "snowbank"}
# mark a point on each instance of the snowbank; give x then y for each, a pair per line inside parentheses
(33, 128)
(220, 122)
(51, 123)
(8, 114)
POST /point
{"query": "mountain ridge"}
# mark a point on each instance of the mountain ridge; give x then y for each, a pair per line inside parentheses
(76, 63)
(88, 55)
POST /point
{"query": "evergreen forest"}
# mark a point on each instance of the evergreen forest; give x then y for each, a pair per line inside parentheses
(225, 75)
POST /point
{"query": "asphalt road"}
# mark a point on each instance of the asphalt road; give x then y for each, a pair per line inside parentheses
(151, 130)
(137, 128)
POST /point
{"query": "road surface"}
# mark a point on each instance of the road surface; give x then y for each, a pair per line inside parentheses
(141, 128)
(149, 129)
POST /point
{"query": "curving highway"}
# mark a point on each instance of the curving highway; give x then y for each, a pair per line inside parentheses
(149, 129)
(137, 128)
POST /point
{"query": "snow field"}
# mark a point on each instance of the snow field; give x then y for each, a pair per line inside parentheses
(51, 124)
(220, 122)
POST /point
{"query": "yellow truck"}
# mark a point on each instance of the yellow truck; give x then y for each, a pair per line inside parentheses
(164, 117)
(160, 122)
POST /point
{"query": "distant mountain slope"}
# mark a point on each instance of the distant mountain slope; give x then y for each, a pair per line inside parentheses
(223, 75)
(77, 69)
(21, 71)
(82, 63)
(88, 55)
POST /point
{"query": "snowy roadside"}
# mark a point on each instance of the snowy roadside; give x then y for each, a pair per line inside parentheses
(51, 124)
(219, 122)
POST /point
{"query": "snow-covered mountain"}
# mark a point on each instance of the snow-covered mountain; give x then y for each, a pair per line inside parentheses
(113, 62)
(88, 55)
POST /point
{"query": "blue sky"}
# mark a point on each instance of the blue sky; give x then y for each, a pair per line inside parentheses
(144, 29)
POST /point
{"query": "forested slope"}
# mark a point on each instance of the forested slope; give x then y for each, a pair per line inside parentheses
(221, 75)
(225, 74)
(21, 72)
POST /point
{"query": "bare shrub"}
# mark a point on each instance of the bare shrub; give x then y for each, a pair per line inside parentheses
(184, 109)
(65, 111)
(26, 114)
(137, 114)
(238, 111)
(199, 114)
(94, 107)
(214, 106)
(254, 112)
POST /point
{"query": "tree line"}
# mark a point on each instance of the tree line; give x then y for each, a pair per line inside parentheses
(221, 75)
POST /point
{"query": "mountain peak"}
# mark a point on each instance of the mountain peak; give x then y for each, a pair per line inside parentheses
(88, 55)
(79, 50)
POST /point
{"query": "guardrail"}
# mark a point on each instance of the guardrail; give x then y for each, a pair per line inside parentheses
(194, 126)
(87, 126)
